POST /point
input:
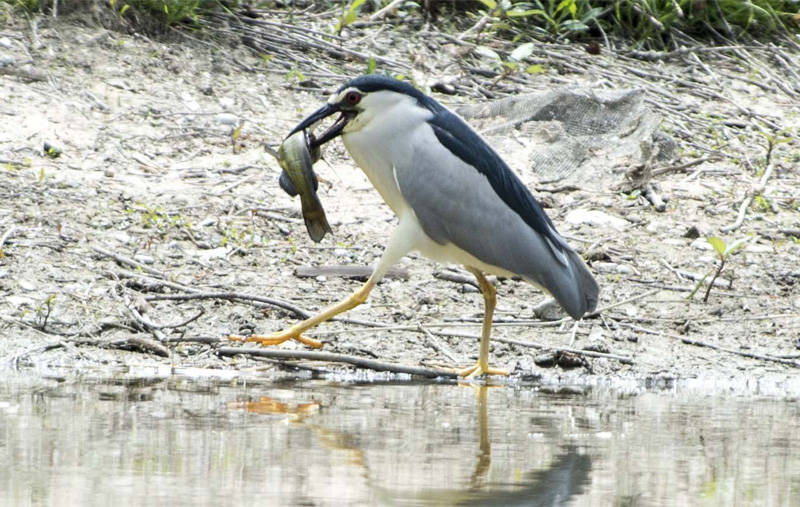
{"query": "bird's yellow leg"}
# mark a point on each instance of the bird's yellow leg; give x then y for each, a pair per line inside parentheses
(294, 332)
(489, 301)
(402, 241)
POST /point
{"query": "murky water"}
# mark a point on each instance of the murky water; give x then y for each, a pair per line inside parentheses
(174, 441)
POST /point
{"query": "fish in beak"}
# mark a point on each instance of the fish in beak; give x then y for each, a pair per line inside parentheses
(317, 116)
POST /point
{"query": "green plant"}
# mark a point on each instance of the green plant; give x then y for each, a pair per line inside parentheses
(43, 311)
(349, 14)
(512, 63)
(724, 251)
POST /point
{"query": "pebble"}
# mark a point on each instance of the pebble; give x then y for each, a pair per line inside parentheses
(6, 43)
(596, 218)
(701, 244)
(227, 119)
(612, 267)
(341, 252)
(144, 259)
(322, 278)
(26, 284)
(121, 236)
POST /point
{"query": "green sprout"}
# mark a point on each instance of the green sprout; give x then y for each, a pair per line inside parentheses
(724, 251)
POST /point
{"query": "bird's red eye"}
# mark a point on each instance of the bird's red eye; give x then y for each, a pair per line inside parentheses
(352, 98)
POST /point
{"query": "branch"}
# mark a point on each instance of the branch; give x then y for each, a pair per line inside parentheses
(360, 362)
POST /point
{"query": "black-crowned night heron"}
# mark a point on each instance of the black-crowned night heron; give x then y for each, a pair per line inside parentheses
(455, 198)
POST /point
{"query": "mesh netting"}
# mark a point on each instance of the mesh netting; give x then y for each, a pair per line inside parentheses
(574, 135)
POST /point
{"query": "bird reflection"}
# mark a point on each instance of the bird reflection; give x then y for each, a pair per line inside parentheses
(564, 478)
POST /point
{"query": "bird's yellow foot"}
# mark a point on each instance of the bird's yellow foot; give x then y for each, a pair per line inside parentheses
(277, 338)
(478, 369)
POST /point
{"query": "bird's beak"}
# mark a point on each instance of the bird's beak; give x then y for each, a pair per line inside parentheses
(319, 115)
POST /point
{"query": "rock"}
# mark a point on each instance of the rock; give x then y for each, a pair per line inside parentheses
(6, 43)
(546, 360)
(692, 232)
(702, 244)
(20, 301)
(595, 218)
(613, 267)
(144, 259)
(26, 284)
(227, 119)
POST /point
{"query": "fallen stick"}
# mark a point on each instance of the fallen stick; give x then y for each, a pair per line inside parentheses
(127, 261)
(749, 200)
(359, 272)
(700, 343)
(682, 167)
(360, 362)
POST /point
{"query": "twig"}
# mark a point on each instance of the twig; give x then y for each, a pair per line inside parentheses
(146, 323)
(234, 185)
(360, 362)
(386, 10)
(619, 303)
(7, 235)
(588, 353)
(231, 296)
(436, 344)
(749, 200)
(4, 161)
(700, 343)
(127, 261)
(23, 74)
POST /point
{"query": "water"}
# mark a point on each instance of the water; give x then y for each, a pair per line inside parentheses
(163, 440)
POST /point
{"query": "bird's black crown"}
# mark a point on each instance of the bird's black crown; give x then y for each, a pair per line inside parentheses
(375, 82)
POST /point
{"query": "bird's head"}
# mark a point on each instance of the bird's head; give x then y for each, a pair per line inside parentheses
(359, 102)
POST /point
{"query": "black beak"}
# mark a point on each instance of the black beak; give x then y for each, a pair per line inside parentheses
(319, 115)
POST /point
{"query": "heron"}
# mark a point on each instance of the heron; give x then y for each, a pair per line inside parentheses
(455, 199)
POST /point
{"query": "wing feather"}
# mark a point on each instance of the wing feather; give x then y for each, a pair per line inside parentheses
(491, 215)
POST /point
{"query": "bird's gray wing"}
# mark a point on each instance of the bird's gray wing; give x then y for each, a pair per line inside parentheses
(456, 203)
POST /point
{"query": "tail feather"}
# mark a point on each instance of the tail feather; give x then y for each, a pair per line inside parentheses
(572, 285)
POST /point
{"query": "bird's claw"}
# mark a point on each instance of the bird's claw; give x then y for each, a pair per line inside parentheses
(479, 369)
(278, 338)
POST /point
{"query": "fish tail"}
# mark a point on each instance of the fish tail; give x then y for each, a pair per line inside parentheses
(316, 224)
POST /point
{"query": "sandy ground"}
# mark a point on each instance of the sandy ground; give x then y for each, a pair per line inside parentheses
(149, 171)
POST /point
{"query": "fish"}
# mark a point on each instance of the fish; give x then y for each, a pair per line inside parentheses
(298, 177)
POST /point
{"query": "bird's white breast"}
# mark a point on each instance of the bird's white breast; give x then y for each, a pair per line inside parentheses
(385, 141)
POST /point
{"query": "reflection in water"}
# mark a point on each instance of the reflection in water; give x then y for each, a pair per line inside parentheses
(554, 485)
(176, 441)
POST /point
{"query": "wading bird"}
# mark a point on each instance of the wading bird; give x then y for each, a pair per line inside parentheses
(455, 198)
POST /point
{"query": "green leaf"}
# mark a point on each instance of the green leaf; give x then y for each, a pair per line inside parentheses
(356, 5)
(522, 52)
(718, 245)
(490, 4)
(371, 64)
(572, 25)
(736, 246)
(535, 69)
(563, 5)
(518, 13)
(124, 10)
(512, 66)
(486, 52)
(591, 14)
